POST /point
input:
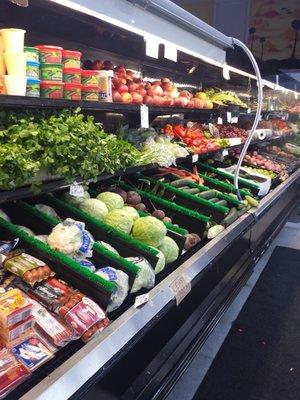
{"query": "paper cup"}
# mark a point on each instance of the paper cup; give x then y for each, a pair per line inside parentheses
(15, 63)
(2, 65)
(15, 84)
(13, 40)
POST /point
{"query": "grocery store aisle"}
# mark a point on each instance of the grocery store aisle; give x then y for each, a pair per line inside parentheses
(188, 384)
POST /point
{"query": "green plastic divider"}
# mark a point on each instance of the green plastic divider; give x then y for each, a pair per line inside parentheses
(224, 185)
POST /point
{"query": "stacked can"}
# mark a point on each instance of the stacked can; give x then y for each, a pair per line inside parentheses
(51, 71)
(71, 74)
(90, 85)
(32, 72)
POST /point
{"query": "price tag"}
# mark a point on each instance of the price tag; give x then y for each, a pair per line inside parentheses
(181, 288)
(171, 52)
(144, 116)
(140, 300)
(228, 116)
(76, 190)
(195, 158)
(234, 120)
(220, 121)
(225, 152)
(226, 72)
(248, 110)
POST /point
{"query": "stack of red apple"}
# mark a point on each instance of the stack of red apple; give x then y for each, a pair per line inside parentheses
(128, 88)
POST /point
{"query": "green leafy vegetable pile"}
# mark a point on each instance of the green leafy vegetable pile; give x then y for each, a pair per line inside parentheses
(66, 144)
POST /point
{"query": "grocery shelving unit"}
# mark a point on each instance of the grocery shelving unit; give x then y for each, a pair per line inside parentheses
(144, 350)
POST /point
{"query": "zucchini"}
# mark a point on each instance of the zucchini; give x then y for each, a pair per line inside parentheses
(231, 217)
(252, 202)
(214, 231)
(222, 202)
(178, 183)
(214, 200)
(208, 194)
(191, 190)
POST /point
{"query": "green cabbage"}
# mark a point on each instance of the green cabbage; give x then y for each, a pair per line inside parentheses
(149, 230)
(145, 277)
(161, 263)
(76, 200)
(112, 200)
(119, 219)
(132, 213)
(94, 207)
(170, 249)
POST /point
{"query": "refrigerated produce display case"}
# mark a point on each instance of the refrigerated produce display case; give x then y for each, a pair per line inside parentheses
(124, 235)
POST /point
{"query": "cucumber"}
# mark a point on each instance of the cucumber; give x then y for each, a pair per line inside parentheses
(214, 200)
(191, 190)
(222, 202)
(242, 211)
(214, 231)
(180, 182)
(231, 217)
(185, 187)
(207, 194)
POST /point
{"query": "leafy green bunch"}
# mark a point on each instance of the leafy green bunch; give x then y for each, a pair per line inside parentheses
(67, 144)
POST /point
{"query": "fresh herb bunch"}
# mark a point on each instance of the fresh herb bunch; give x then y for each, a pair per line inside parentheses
(67, 144)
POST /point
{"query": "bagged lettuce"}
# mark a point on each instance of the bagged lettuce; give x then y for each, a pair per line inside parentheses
(146, 277)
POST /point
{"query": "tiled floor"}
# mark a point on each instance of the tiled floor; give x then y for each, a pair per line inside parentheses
(187, 385)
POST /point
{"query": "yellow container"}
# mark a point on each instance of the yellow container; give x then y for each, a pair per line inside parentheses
(15, 84)
(2, 49)
(15, 63)
(13, 40)
(2, 65)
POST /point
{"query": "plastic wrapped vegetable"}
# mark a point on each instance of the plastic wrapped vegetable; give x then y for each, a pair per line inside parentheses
(87, 264)
(71, 238)
(161, 263)
(121, 279)
(109, 247)
(149, 230)
(27, 230)
(119, 219)
(47, 210)
(146, 277)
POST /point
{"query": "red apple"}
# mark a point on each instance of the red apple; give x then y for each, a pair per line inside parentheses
(191, 104)
(185, 93)
(157, 100)
(166, 80)
(167, 101)
(155, 83)
(117, 96)
(148, 85)
(126, 98)
(97, 65)
(198, 103)
(155, 91)
(142, 91)
(137, 80)
(122, 88)
(129, 73)
(132, 87)
(137, 98)
(148, 100)
(167, 86)
(120, 70)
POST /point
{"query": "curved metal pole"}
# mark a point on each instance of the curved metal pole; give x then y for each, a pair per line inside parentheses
(257, 116)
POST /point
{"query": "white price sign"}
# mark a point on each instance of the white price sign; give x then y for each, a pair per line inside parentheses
(140, 300)
(234, 120)
(195, 158)
(144, 116)
(220, 121)
(76, 190)
(228, 116)
(181, 288)
(225, 152)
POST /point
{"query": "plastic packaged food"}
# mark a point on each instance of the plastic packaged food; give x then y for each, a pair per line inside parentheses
(14, 307)
(109, 247)
(15, 63)
(70, 237)
(32, 54)
(90, 93)
(33, 87)
(12, 372)
(72, 75)
(33, 69)
(145, 277)
(32, 353)
(84, 315)
(72, 91)
(11, 333)
(71, 58)
(54, 330)
(87, 264)
(121, 279)
(90, 77)
(30, 269)
(50, 54)
(13, 39)
(7, 246)
(51, 72)
(52, 90)
(105, 83)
